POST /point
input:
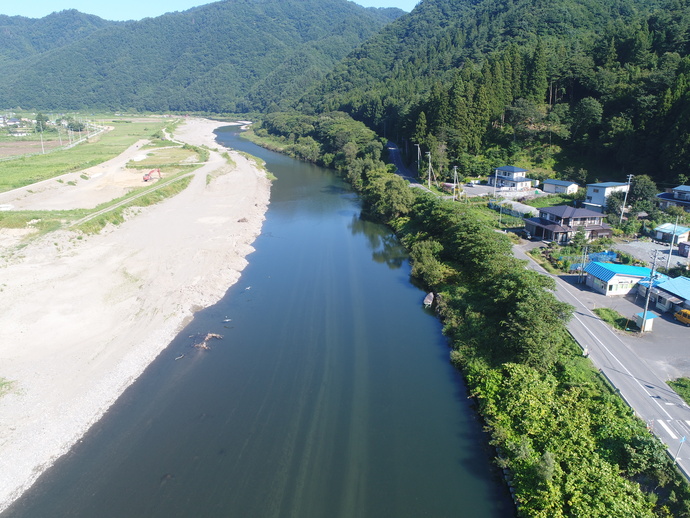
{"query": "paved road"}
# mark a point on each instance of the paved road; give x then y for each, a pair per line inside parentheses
(667, 416)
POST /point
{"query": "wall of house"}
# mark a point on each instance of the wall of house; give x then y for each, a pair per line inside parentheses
(618, 286)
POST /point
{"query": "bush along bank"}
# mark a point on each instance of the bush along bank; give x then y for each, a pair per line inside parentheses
(571, 445)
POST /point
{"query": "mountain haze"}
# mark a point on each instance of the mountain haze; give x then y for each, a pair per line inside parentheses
(234, 55)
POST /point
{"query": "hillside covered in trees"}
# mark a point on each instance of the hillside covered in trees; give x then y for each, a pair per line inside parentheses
(234, 55)
(573, 86)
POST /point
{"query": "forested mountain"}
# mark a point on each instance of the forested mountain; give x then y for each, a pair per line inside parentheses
(234, 55)
(22, 37)
(571, 85)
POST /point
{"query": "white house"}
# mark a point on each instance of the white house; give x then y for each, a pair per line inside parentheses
(614, 279)
(560, 187)
(595, 199)
(679, 196)
(511, 178)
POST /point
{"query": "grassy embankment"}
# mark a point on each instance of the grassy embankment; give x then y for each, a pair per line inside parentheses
(172, 159)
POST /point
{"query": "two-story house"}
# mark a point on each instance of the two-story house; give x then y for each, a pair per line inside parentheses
(511, 178)
(679, 196)
(560, 224)
(595, 199)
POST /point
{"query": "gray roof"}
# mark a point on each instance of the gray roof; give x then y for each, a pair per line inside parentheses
(563, 183)
(566, 211)
(606, 184)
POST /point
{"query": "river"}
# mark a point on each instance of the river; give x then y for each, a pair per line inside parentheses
(329, 395)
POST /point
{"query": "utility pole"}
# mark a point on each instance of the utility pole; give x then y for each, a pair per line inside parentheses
(625, 199)
(495, 181)
(649, 293)
(455, 182)
(581, 277)
(428, 154)
(419, 158)
(670, 250)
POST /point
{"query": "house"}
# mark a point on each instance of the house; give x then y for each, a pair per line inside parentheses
(614, 279)
(684, 249)
(668, 294)
(560, 223)
(511, 178)
(679, 196)
(665, 231)
(560, 187)
(595, 199)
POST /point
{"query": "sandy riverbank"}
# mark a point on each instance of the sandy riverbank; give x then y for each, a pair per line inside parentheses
(82, 318)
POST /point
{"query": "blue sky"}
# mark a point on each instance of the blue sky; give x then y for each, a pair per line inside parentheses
(138, 9)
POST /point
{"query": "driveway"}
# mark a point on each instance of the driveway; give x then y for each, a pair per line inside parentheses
(644, 251)
(666, 349)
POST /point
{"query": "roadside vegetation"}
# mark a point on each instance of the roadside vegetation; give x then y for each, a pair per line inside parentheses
(682, 388)
(615, 319)
(571, 445)
(116, 216)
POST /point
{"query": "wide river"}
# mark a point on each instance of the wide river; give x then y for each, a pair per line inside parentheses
(329, 395)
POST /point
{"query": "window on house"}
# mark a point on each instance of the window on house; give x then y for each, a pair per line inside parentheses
(610, 287)
(595, 190)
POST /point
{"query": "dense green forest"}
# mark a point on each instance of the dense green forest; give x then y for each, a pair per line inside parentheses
(588, 86)
(571, 445)
(22, 37)
(234, 55)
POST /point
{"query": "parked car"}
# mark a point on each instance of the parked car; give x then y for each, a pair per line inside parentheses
(524, 233)
(683, 316)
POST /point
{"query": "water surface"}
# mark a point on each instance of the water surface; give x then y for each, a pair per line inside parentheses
(330, 394)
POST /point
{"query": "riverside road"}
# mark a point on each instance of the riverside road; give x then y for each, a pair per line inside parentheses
(665, 413)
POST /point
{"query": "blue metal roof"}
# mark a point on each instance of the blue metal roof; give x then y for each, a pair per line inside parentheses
(684, 188)
(607, 271)
(680, 287)
(667, 228)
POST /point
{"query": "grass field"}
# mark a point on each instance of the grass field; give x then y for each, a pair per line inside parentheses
(24, 171)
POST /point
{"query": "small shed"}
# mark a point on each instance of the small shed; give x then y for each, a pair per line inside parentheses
(560, 187)
(649, 321)
(684, 249)
(665, 231)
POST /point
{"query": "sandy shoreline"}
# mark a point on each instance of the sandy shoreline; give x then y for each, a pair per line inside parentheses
(82, 318)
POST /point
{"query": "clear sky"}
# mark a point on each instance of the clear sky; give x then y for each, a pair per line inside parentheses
(137, 9)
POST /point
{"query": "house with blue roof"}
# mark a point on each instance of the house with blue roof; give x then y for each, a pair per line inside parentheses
(668, 294)
(511, 178)
(614, 279)
(560, 187)
(667, 230)
(595, 199)
(679, 196)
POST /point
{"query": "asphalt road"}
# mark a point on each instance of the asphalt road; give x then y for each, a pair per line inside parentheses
(665, 413)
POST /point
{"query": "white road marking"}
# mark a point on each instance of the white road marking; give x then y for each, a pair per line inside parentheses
(670, 432)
